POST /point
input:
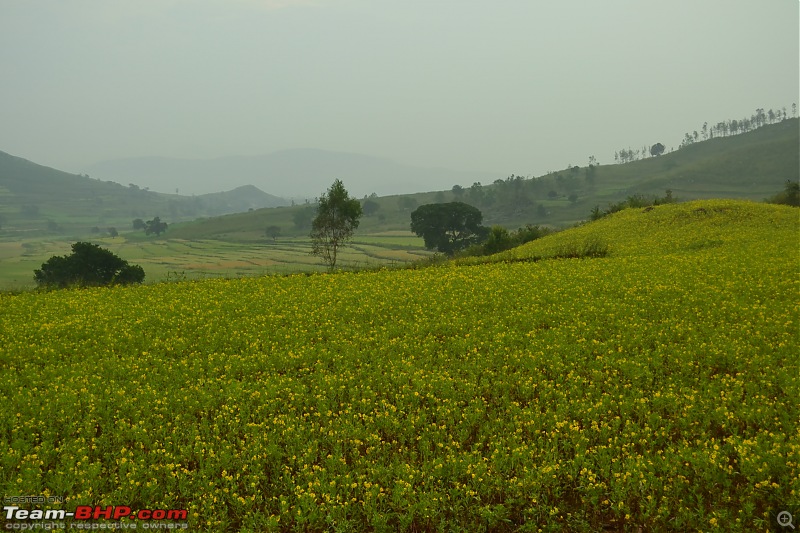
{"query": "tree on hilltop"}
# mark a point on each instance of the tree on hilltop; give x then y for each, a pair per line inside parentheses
(657, 149)
(370, 207)
(407, 203)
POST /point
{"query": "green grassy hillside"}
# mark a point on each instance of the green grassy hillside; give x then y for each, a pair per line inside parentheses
(753, 166)
(685, 228)
(654, 389)
(43, 210)
(38, 201)
(750, 166)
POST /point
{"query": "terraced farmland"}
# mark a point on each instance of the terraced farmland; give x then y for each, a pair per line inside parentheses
(171, 259)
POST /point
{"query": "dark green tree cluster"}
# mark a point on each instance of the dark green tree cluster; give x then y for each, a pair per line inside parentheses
(151, 226)
(407, 203)
(789, 196)
(518, 196)
(370, 207)
(303, 217)
(455, 228)
(155, 226)
(448, 227)
(500, 239)
(87, 265)
(273, 232)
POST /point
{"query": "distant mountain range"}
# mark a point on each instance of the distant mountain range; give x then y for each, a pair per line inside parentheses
(299, 173)
(36, 199)
(754, 165)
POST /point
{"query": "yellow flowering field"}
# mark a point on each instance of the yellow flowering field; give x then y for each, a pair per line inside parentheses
(655, 389)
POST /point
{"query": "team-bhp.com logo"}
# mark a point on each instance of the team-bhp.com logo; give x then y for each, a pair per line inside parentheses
(86, 517)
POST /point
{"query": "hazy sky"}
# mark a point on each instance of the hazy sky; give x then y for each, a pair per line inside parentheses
(522, 86)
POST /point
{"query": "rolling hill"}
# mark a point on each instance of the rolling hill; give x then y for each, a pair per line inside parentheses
(37, 200)
(40, 201)
(753, 166)
(298, 173)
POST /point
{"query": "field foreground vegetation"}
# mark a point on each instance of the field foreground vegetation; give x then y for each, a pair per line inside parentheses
(655, 388)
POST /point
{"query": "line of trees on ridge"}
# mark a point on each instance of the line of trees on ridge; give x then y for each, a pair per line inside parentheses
(725, 128)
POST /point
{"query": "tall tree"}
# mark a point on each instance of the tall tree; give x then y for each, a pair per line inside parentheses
(336, 221)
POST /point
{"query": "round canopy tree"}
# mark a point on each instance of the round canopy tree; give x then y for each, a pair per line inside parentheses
(657, 149)
(87, 265)
(448, 227)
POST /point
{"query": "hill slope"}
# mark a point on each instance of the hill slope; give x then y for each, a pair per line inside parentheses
(299, 173)
(753, 166)
(721, 225)
(654, 389)
(32, 195)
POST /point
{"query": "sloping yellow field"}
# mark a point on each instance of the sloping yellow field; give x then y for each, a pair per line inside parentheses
(654, 389)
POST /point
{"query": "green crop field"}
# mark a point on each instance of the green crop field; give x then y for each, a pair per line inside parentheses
(654, 389)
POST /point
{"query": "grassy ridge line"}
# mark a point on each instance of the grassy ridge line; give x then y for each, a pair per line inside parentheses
(572, 395)
(672, 228)
(752, 166)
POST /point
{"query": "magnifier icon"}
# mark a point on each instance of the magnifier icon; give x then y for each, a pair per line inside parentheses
(785, 519)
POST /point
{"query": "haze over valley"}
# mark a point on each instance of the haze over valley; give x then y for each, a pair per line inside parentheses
(171, 91)
(298, 173)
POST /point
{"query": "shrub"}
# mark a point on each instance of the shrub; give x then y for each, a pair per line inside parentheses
(635, 200)
(789, 196)
(87, 265)
(500, 239)
(592, 247)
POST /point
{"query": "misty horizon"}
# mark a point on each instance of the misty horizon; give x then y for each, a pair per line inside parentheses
(475, 88)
